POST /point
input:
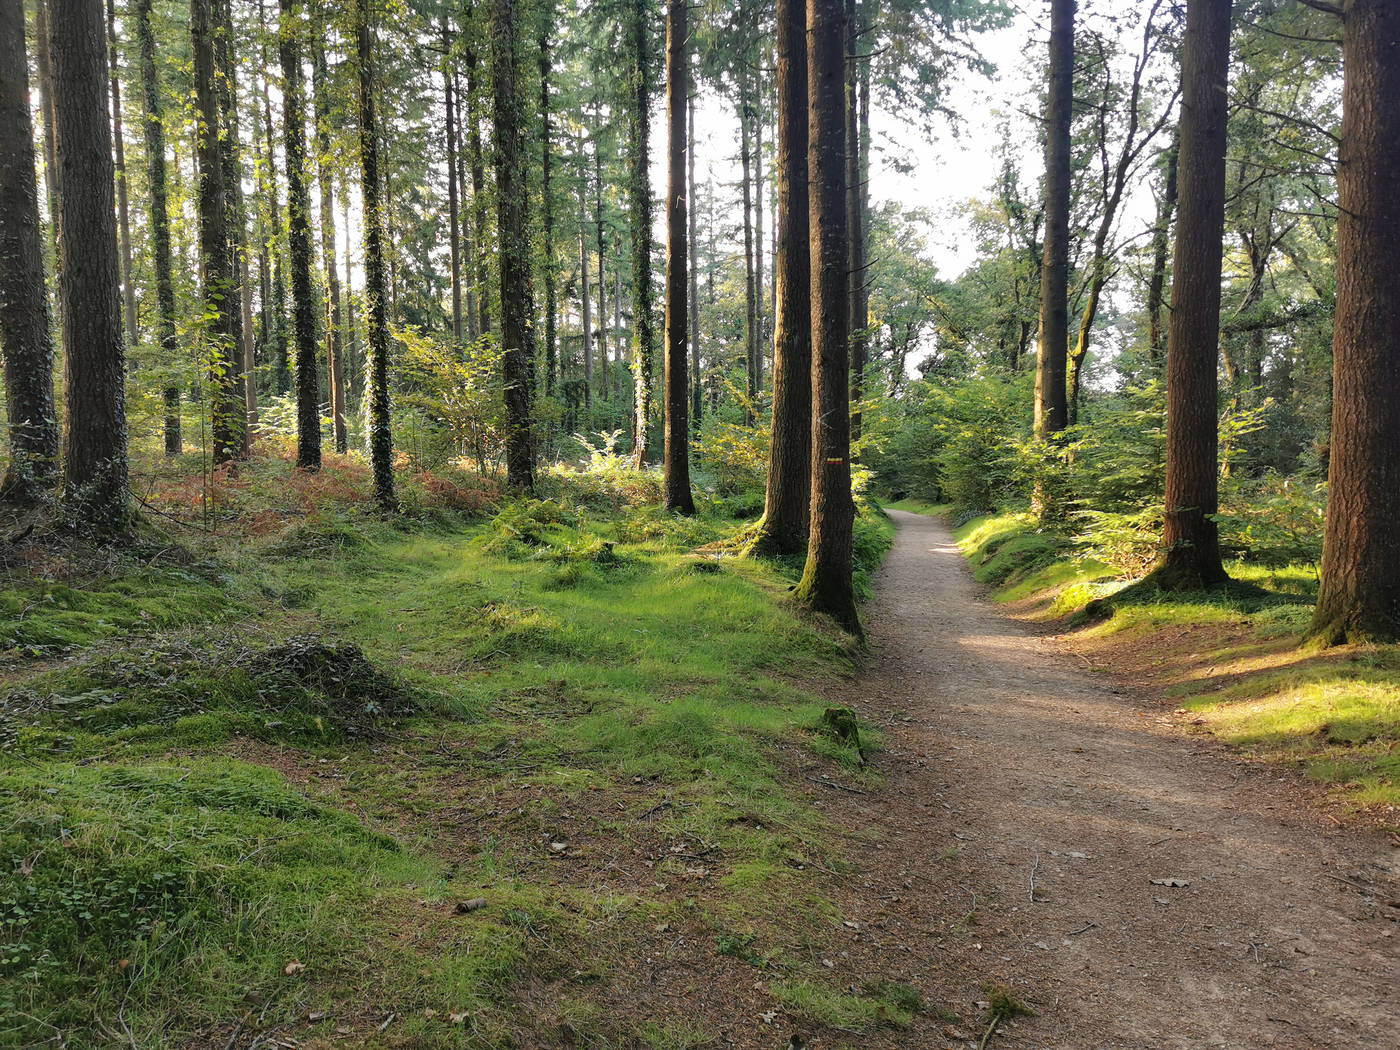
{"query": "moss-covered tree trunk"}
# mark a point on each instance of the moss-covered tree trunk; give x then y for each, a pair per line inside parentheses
(787, 502)
(335, 320)
(89, 273)
(826, 579)
(24, 309)
(1190, 536)
(513, 236)
(304, 304)
(551, 294)
(381, 436)
(1360, 595)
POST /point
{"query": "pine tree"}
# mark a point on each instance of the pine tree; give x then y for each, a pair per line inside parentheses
(676, 485)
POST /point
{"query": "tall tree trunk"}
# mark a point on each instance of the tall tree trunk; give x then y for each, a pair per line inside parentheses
(89, 276)
(335, 344)
(584, 289)
(24, 308)
(787, 505)
(381, 437)
(760, 324)
(692, 238)
(751, 387)
(853, 218)
(231, 143)
(826, 579)
(639, 199)
(123, 197)
(1051, 399)
(304, 305)
(602, 266)
(225, 401)
(277, 328)
(354, 371)
(1359, 598)
(1161, 241)
(453, 230)
(465, 212)
(551, 301)
(513, 235)
(483, 278)
(154, 126)
(676, 495)
(1190, 536)
(618, 341)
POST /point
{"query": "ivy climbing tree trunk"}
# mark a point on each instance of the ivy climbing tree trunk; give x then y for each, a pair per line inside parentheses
(551, 303)
(513, 234)
(216, 256)
(335, 341)
(826, 579)
(1190, 537)
(787, 502)
(1359, 599)
(676, 493)
(304, 305)
(381, 436)
(24, 309)
(89, 274)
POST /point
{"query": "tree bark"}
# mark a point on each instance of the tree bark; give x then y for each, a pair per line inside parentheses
(154, 125)
(676, 495)
(587, 304)
(512, 231)
(1190, 536)
(44, 61)
(639, 199)
(335, 342)
(241, 323)
(826, 579)
(854, 219)
(1051, 401)
(89, 276)
(304, 305)
(1359, 598)
(478, 169)
(551, 303)
(381, 437)
(787, 503)
(219, 284)
(602, 265)
(453, 230)
(123, 196)
(24, 308)
(692, 239)
(751, 387)
(1161, 241)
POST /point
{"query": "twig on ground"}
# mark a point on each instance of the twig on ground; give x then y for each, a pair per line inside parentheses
(1083, 929)
(1035, 867)
(837, 787)
(665, 803)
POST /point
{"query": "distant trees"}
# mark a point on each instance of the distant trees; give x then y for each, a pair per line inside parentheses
(1359, 598)
(1190, 536)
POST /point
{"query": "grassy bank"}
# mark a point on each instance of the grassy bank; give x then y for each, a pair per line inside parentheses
(443, 780)
(1232, 663)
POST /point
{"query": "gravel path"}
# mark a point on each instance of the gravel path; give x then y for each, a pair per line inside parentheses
(1037, 795)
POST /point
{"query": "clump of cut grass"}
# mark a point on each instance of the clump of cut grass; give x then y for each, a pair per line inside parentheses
(881, 1004)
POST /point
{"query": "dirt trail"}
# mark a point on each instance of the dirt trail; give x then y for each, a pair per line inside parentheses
(1006, 760)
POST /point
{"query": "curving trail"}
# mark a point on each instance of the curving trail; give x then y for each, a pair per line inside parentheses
(1006, 759)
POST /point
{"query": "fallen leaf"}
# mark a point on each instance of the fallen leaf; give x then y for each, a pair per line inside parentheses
(293, 967)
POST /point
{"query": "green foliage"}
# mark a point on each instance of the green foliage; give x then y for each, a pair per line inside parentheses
(731, 458)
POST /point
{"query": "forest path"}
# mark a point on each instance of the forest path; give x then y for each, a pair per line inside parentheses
(1006, 760)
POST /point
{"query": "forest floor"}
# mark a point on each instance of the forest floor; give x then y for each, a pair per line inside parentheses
(1050, 829)
(506, 773)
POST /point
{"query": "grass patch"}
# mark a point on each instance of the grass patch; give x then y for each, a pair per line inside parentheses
(223, 818)
(1232, 657)
(918, 506)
